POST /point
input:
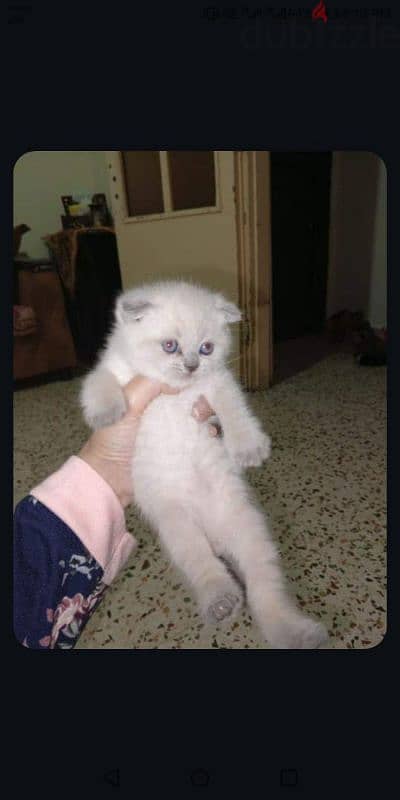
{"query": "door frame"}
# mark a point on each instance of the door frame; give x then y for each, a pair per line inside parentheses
(253, 209)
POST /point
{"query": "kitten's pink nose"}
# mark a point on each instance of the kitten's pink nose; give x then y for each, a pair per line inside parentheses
(191, 362)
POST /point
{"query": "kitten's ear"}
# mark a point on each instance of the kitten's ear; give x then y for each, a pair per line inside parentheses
(229, 311)
(131, 308)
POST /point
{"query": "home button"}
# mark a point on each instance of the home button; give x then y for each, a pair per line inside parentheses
(199, 777)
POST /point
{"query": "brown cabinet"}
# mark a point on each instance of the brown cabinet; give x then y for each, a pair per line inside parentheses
(88, 265)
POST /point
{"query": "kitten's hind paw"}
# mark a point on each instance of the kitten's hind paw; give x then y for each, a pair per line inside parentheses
(219, 597)
(223, 607)
(301, 634)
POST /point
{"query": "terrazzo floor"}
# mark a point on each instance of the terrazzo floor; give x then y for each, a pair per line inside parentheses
(324, 490)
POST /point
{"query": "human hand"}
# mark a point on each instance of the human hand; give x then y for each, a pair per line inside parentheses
(109, 450)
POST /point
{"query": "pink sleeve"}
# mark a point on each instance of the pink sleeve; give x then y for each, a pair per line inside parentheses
(82, 499)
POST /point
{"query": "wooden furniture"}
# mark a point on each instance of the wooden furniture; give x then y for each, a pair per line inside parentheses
(88, 265)
(49, 347)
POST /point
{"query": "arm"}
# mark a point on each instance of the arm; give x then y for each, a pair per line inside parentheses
(69, 533)
(244, 437)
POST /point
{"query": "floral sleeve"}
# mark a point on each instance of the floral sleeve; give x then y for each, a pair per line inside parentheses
(57, 583)
(70, 542)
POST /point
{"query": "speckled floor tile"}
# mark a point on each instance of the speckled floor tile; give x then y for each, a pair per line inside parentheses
(324, 490)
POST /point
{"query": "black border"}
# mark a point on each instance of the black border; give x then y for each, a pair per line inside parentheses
(326, 712)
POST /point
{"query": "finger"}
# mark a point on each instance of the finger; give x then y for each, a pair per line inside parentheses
(139, 392)
(214, 423)
(165, 389)
(201, 409)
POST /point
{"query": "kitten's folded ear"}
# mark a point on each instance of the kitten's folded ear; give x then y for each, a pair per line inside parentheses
(131, 307)
(229, 311)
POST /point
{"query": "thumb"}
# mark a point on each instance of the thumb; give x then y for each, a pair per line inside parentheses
(139, 392)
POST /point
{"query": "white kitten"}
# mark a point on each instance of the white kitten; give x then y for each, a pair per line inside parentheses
(187, 483)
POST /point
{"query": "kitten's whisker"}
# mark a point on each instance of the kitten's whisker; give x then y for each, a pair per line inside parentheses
(232, 360)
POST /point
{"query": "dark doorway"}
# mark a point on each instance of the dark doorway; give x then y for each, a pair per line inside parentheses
(300, 192)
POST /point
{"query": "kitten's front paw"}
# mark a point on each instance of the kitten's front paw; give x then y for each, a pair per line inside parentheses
(255, 455)
(102, 400)
(107, 416)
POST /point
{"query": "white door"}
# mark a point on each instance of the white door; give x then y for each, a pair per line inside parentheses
(175, 216)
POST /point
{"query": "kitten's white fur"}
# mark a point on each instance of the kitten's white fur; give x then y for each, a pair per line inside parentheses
(187, 483)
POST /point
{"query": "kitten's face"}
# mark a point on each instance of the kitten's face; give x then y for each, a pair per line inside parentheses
(177, 337)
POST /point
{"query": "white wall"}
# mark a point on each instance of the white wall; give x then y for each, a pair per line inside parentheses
(41, 177)
(377, 300)
(357, 258)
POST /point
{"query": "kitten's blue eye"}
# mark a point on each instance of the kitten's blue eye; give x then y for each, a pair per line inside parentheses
(169, 345)
(206, 348)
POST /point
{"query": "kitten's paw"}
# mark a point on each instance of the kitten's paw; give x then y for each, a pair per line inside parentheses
(255, 455)
(108, 415)
(223, 607)
(102, 399)
(220, 599)
(214, 426)
(302, 633)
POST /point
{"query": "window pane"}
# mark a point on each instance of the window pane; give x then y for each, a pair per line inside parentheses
(192, 178)
(143, 182)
